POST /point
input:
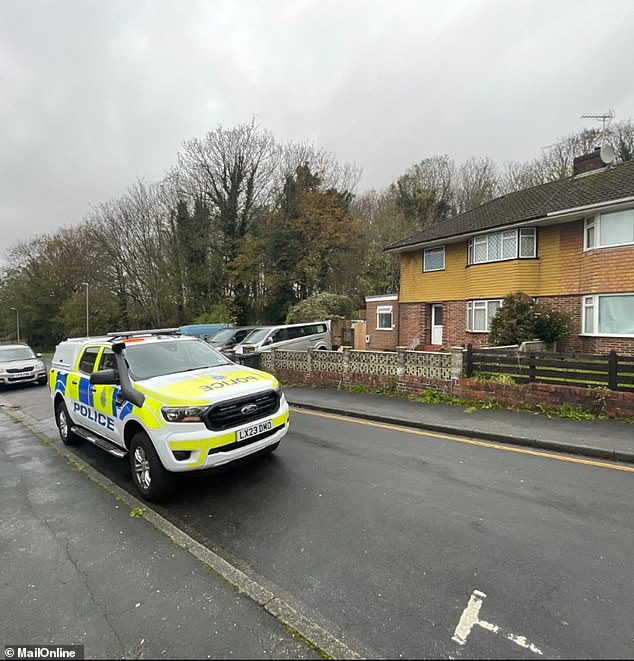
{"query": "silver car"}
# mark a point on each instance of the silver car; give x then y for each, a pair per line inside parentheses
(19, 364)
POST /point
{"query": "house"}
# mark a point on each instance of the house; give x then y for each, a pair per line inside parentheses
(568, 243)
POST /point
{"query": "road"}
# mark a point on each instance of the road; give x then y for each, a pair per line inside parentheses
(416, 545)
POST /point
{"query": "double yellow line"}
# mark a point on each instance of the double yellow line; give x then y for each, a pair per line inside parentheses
(458, 439)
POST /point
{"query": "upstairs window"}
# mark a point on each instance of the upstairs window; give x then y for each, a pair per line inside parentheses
(498, 246)
(609, 229)
(384, 317)
(434, 259)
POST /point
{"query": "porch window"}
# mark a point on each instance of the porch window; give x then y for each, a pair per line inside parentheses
(608, 315)
(384, 317)
(480, 314)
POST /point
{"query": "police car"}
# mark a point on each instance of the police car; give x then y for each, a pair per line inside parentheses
(169, 402)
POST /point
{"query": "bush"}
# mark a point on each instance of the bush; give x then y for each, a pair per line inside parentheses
(521, 319)
(321, 306)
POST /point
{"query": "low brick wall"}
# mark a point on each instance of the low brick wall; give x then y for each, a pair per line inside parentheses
(613, 403)
(533, 395)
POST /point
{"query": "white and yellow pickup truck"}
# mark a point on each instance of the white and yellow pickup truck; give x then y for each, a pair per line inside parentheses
(169, 402)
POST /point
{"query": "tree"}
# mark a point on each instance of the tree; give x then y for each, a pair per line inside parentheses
(233, 171)
(322, 306)
(424, 192)
(309, 242)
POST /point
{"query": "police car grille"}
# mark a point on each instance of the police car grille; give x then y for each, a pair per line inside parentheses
(19, 370)
(231, 413)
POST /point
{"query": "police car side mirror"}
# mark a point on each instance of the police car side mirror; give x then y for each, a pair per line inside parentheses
(269, 340)
(105, 378)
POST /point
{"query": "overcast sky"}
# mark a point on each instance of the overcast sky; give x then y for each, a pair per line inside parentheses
(97, 93)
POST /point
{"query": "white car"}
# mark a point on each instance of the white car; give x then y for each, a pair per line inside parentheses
(20, 364)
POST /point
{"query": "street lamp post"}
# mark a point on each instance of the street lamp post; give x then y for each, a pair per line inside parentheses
(85, 284)
(17, 322)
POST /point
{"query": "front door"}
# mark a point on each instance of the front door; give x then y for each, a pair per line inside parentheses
(436, 324)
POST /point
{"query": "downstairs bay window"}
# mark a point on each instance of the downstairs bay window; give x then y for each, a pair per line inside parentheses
(608, 314)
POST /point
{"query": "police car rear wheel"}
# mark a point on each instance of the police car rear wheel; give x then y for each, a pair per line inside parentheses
(149, 475)
(64, 424)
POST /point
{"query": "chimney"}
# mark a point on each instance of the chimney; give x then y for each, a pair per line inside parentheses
(588, 162)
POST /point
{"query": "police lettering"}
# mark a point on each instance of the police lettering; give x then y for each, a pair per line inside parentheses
(228, 382)
(95, 416)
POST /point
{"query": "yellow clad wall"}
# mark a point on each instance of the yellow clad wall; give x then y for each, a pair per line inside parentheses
(458, 282)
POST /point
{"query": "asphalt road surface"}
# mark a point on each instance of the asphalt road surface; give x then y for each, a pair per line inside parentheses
(417, 545)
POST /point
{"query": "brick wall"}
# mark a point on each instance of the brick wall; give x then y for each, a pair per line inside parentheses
(415, 329)
(614, 404)
(381, 339)
(414, 325)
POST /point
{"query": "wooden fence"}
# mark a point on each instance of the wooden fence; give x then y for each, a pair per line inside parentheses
(609, 371)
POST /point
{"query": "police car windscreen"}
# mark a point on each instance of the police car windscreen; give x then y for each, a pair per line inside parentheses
(171, 356)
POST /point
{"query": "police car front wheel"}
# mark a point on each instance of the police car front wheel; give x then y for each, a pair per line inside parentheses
(150, 477)
(64, 424)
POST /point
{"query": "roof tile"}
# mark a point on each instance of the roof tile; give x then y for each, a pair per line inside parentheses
(534, 203)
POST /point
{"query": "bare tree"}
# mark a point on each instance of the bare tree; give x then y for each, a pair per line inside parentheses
(323, 163)
(476, 182)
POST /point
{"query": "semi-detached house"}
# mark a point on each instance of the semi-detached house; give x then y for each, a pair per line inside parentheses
(568, 243)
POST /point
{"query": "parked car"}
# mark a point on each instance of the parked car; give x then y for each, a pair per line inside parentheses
(20, 364)
(203, 331)
(168, 402)
(227, 338)
(290, 337)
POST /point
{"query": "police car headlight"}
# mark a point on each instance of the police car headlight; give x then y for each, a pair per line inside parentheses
(183, 414)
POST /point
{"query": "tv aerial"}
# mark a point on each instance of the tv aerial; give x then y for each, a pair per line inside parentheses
(605, 119)
(606, 154)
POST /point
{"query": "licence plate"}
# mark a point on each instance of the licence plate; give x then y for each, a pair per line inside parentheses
(254, 430)
(20, 375)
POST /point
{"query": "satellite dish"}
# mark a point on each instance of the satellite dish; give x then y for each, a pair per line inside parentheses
(607, 154)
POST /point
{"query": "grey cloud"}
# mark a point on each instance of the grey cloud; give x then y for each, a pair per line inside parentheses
(97, 93)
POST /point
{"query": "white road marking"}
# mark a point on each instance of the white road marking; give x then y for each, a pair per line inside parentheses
(471, 616)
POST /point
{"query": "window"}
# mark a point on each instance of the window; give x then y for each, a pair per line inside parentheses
(88, 358)
(609, 229)
(384, 317)
(528, 244)
(510, 244)
(107, 361)
(608, 315)
(480, 313)
(434, 259)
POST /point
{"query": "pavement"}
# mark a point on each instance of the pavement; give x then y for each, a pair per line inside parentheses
(604, 439)
(83, 562)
